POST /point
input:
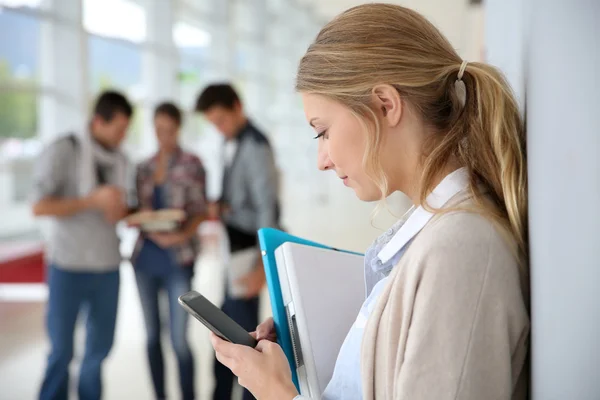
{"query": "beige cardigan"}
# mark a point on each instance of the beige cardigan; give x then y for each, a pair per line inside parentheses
(452, 321)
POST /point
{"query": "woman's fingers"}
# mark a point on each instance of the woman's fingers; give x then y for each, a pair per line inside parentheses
(264, 346)
(223, 347)
(229, 354)
(264, 371)
(226, 361)
(266, 330)
(226, 353)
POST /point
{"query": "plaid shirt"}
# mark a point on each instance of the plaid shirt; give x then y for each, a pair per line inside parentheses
(185, 189)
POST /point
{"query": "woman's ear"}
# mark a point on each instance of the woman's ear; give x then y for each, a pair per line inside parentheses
(388, 103)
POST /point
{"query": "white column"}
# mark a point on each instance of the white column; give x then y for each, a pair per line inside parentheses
(261, 17)
(248, 30)
(221, 40)
(160, 64)
(64, 72)
(505, 38)
(563, 106)
(160, 58)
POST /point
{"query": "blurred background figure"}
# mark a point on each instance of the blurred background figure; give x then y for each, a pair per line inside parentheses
(249, 201)
(80, 183)
(171, 179)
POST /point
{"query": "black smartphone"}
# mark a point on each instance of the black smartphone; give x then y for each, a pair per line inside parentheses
(214, 319)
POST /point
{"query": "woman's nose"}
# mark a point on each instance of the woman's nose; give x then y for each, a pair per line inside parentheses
(324, 162)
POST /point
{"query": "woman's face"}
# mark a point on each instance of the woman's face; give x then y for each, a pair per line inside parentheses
(342, 143)
(167, 132)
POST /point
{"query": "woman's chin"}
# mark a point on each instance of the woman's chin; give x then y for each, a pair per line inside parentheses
(367, 197)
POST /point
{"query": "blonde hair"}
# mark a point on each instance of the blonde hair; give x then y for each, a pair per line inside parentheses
(388, 44)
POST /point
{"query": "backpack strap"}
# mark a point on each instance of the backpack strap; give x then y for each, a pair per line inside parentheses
(72, 138)
(100, 176)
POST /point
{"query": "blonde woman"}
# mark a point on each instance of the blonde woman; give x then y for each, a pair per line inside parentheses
(396, 109)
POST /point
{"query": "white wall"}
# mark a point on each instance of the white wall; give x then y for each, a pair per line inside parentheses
(563, 105)
(505, 40)
(551, 49)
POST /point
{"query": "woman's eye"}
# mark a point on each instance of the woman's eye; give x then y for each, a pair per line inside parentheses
(321, 135)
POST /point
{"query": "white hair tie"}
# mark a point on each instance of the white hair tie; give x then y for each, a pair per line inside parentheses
(461, 71)
(459, 85)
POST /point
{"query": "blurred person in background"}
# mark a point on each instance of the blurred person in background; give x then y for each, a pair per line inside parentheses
(80, 182)
(249, 201)
(171, 179)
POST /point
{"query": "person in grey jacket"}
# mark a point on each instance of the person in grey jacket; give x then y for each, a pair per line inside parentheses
(249, 201)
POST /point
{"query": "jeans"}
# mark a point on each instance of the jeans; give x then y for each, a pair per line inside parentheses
(175, 283)
(245, 313)
(69, 293)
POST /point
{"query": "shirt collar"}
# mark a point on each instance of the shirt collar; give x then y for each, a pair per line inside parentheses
(451, 185)
(172, 160)
(247, 126)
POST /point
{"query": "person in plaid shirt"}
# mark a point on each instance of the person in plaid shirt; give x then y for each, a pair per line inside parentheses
(171, 179)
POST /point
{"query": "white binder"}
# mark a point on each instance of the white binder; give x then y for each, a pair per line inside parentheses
(323, 291)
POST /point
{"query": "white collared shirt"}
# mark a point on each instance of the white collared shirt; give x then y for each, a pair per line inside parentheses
(229, 150)
(380, 259)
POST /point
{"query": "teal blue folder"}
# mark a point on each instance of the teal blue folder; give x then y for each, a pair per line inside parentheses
(270, 239)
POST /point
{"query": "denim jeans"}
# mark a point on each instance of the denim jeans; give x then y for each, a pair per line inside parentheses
(245, 313)
(175, 284)
(69, 294)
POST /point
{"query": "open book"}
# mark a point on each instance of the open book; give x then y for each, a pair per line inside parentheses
(156, 220)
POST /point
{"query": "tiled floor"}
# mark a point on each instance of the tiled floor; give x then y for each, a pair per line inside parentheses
(341, 221)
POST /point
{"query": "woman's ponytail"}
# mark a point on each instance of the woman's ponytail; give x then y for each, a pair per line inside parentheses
(487, 135)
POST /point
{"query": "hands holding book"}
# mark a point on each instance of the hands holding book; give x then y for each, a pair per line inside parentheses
(161, 226)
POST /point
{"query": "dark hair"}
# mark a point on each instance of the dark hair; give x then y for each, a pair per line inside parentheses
(110, 103)
(170, 110)
(223, 95)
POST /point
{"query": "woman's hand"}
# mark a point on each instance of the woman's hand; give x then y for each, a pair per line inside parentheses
(264, 371)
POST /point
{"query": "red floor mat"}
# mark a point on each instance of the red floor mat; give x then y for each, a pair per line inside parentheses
(22, 262)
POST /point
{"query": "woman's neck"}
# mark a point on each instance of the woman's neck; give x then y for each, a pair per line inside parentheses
(414, 193)
(166, 154)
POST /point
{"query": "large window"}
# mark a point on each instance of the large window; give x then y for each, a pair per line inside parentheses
(19, 74)
(115, 63)
(19, 117)
(23, 3)
(53, 61)
(121, 19)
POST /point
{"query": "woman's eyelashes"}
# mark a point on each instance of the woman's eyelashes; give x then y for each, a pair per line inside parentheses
(321, 135)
